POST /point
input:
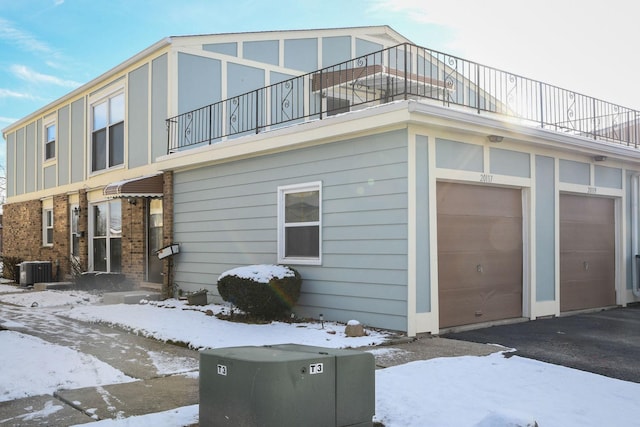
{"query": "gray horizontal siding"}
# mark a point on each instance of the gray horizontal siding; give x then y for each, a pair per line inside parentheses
(226, 216)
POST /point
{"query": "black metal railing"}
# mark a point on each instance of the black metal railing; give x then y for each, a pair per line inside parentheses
(405, 72)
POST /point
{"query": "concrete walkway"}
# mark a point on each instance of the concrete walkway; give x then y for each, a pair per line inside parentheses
(136, 356)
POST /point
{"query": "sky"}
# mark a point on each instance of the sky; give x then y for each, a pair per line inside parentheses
(497, 390)
(50, 47)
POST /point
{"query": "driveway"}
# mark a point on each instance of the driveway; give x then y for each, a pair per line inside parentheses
(606, 342)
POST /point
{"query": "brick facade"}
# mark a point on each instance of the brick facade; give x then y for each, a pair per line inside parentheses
(83, 229)
(23, 235)
(167, 231)
(134, 238)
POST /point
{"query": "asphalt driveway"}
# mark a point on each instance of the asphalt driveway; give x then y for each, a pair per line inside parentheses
(606, 342)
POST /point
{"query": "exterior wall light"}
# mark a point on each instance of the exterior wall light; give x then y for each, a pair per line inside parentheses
(495, 138)
(599, 158)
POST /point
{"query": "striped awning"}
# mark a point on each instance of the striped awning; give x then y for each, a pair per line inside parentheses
(144, 186)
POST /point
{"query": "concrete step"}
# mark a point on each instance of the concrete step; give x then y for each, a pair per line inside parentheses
(156, 287)
(130, 297)
(60, 286)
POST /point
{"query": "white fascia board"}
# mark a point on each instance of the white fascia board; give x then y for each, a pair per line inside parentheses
(486, 124)
(389, 116)
(394, 115)
(374, 31)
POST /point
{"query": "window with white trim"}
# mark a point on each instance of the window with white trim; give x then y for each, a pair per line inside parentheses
(74, 213)
(299, 223)
(105, 225)
(49, 141)
(47, 227)
(107, 133)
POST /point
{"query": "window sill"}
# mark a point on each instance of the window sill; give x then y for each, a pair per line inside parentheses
(300, 261)
(107, 170)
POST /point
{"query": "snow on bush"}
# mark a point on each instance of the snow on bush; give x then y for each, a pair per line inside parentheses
(264, 291)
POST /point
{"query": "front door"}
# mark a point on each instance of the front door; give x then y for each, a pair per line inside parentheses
(106, 236)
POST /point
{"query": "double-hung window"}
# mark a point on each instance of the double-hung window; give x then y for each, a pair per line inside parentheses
(75, 233)
(299, 224)
(107, 133)
(49, 141)
(47, 227)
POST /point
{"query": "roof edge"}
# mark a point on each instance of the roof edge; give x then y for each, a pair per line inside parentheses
(104, 76)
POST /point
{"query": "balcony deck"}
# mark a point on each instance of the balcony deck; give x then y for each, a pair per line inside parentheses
(405, 72)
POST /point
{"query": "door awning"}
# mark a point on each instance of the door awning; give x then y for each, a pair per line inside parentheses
(144, 186)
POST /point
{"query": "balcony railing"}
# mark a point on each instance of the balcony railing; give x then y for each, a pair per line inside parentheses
(405, 72)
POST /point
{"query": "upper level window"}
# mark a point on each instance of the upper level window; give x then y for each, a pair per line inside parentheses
(107, 135)
(47, 227)
(299, 228)
(50, 141)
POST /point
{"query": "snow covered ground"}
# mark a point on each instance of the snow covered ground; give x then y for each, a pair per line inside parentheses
(490, 391)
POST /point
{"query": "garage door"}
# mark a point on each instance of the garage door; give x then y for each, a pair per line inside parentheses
(479, 253)
(587, 252)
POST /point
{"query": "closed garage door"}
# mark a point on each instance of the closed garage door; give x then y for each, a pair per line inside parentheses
(587, 252)
(479, 253)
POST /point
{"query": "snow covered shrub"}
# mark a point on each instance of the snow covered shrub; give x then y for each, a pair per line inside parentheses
(266, 291)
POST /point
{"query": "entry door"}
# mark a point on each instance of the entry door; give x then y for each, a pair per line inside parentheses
(106, 236)
(587, 252)
(479, 253)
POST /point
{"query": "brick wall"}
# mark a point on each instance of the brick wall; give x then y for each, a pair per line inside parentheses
(134, 238)
(83, 229)
(23, 234)
(167, 231)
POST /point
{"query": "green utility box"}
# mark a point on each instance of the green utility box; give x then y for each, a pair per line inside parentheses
(355, 383)
(286, 385)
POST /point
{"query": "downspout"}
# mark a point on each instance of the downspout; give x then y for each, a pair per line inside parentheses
(635, 178)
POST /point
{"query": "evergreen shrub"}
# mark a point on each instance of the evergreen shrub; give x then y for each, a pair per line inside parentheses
(259, 292)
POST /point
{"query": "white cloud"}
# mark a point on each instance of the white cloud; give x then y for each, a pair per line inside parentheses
(25, 73)
(7, 120)
(8, 93)
(22, 39)
(582, 46)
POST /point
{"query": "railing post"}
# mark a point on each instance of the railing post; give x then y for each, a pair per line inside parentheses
(478, 87)
(257, 112)
(635, 126)
(320, 92)
(541, 105)
(210, 124)
(168, 125)
(595, 119)
(406, 76)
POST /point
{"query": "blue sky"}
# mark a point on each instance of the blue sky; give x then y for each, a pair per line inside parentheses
(50, 47)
